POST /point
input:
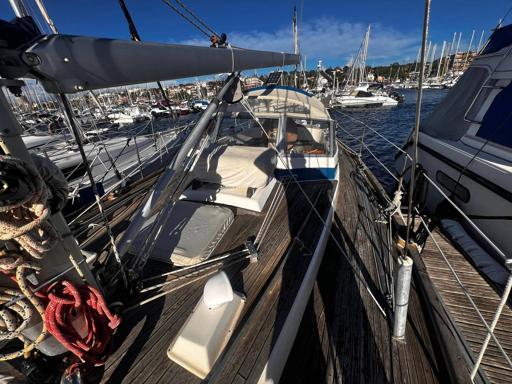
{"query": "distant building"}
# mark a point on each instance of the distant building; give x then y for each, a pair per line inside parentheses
(461, 62)
(252, 82)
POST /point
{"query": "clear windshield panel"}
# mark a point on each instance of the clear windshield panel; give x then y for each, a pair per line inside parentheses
(307, 137)
(276, 105)
(245, 130)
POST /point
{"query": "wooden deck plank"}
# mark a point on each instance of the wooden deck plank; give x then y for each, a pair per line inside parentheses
(360, 348)
(141, 355)
(484, 295)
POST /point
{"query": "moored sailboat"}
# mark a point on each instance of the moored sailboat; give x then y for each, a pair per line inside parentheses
(240, 216)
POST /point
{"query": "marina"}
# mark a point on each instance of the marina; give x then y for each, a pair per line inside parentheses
(209, 210)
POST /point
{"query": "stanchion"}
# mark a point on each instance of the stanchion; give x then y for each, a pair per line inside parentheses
(402, 289)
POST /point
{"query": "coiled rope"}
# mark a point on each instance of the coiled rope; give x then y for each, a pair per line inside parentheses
(80, 319)
(77, 317)
(23, 221)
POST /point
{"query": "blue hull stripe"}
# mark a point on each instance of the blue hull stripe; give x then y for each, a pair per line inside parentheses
(307, 173)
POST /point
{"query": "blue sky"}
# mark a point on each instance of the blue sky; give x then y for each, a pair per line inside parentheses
(331, 30)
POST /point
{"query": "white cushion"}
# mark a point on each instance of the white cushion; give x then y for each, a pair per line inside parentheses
(234, 197)
(217, 290)
(236, 166)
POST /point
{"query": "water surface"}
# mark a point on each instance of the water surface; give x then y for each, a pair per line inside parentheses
(394, 123)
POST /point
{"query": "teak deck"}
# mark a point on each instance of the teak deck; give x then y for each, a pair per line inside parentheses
(270, 286)
(465, 319)
(344, 337)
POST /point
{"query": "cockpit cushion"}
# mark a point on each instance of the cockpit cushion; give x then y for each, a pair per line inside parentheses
(189, 235)
(236, 166)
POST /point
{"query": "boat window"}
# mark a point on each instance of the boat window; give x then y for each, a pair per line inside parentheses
(264, 105)
(484, 98)
(497, 122)
(307, 137)
(359, 93)
(456, 189)
(244, 130)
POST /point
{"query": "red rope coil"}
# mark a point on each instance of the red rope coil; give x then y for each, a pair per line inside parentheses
(80, 319)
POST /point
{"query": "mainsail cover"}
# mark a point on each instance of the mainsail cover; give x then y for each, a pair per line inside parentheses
(67, 64)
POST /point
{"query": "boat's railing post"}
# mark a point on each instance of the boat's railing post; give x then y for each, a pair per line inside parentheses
(402, 289)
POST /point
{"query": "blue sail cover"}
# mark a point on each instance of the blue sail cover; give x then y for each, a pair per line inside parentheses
(501, 38)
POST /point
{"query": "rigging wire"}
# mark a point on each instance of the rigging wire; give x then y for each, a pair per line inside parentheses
(373, 130)
(198, 27)
(196, 17)
(136, 37)
(417, 126)
(199, 24)
(69, 112)
(293, 178)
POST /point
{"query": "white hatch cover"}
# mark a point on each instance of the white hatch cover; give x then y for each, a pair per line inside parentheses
(206, 332)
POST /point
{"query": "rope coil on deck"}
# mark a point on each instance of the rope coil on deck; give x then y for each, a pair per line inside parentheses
(78, 317)
(69, 304)
(23, 220)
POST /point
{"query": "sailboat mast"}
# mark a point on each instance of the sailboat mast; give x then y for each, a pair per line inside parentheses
(440, 59)
(469, 50)
(295, 42)
(449, 55)
(304, 71)
(45, 15)
(295, 32)
(417, 60)
(480, 41)
(427, 55)
(457, 48)
(19, 8)
(362, 59)
(432, 60)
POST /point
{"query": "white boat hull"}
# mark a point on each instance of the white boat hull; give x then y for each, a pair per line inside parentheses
(488, 185)
(361, 102)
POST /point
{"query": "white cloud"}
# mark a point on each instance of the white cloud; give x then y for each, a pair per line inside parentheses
(330, 39)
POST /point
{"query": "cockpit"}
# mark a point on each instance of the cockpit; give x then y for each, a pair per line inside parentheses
(296, 124)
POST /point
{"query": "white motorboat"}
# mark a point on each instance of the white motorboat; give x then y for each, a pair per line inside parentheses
(361, 97)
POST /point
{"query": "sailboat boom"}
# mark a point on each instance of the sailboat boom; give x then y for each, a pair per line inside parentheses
(67, 64)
